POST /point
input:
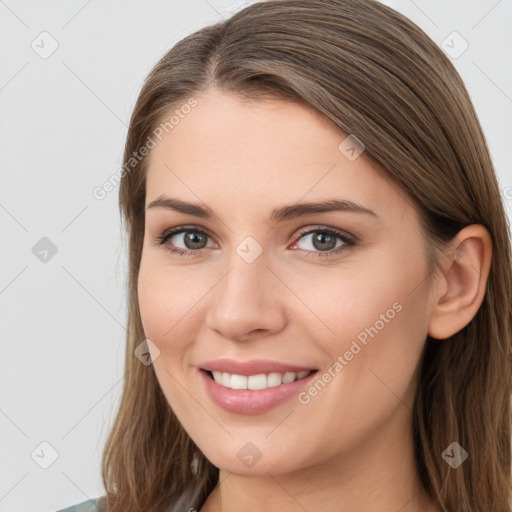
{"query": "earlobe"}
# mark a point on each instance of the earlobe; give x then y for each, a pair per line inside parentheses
(465, 279)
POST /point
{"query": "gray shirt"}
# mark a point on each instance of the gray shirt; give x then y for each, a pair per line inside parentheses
(92, 505)
(98, 505)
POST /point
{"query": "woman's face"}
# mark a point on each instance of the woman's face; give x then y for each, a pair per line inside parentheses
(337, 299)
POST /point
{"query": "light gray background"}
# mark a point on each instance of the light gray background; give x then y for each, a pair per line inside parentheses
(62, 127)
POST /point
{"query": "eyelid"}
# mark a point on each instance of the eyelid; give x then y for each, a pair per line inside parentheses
(319, 227)
(183, 228)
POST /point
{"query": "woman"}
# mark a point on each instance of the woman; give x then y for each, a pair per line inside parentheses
(320, 275)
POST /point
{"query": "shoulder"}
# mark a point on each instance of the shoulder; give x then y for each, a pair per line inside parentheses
(92, 505)
(99, 505)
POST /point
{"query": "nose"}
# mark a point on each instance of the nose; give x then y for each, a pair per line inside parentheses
(247, 302)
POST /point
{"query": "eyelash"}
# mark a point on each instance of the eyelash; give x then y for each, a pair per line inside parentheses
(348, 241)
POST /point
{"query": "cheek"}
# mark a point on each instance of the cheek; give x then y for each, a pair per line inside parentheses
(362, 306)
(161, 308)
(163, 300)
(152, 307)
(380, 297)
(377, 324)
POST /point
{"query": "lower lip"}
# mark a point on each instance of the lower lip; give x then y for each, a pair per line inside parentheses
(248, 401)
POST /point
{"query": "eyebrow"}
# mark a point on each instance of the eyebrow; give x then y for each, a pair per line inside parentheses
(277, 215)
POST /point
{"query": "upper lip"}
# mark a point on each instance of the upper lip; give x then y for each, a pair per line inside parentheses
(252, 367)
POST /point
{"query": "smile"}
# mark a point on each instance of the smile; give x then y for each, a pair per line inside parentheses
(256, 382)
(252, 387)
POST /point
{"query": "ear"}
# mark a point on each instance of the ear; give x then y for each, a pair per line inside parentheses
(464, 280)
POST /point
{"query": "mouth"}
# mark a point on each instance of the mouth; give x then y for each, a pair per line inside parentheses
(253, 387)
(256, 382)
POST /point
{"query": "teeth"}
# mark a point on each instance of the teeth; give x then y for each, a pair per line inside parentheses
(255, 382)
(273, 379)
(288, 377)
(238, 382)
(226, 379)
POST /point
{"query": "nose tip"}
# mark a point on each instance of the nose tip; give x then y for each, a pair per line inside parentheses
(240, 309)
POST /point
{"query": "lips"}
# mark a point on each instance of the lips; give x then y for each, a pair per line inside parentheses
(252, 387)
(253, 367)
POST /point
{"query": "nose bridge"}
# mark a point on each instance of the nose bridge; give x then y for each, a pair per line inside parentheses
(245, 298)
(245, 283)
(247, 269)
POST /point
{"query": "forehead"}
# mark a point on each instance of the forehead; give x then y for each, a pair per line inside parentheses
(262, 152)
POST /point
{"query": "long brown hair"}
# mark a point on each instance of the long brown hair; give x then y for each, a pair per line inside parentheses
(375, 75)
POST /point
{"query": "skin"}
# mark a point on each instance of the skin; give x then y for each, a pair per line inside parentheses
(350, 447)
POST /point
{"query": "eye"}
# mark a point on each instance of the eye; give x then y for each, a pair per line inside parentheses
(193, 239)
(323, 240)
(321, 244)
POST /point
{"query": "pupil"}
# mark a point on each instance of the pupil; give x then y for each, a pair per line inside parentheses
(321, 238)
(193, 239)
